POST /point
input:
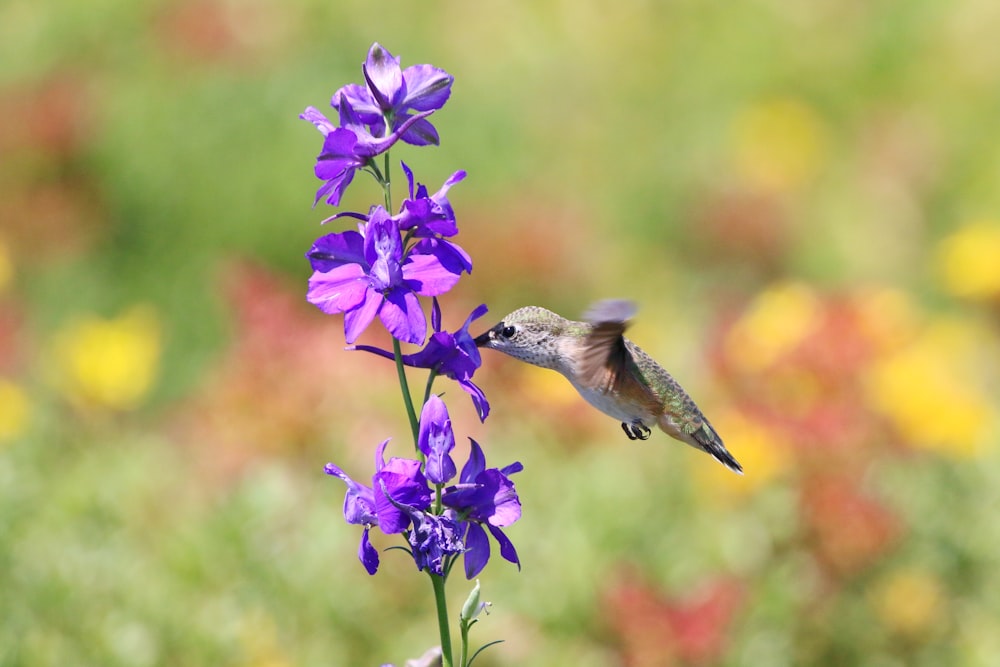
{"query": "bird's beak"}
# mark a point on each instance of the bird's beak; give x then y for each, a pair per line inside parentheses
(483, 340)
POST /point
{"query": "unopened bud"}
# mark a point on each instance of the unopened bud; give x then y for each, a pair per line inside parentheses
(472, 607)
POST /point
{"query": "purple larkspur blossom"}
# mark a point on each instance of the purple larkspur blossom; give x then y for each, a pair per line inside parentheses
(359, 508)
(432, 537)
(398, 482)
(429, 218)
(401, 500)
(485, 497)
(348, 148)
(436, 439)
(393, 93)
(398, 488)
(367, 273)
(429, 214)
(453, 355)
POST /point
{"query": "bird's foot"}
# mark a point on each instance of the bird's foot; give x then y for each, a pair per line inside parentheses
(636, 430)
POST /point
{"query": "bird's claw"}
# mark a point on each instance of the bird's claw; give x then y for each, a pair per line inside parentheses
(636, 430)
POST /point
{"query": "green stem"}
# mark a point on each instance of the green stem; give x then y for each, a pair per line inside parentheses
(465, 644)
(387, 184)
(442, 611)
(430, 384)
(407, 399)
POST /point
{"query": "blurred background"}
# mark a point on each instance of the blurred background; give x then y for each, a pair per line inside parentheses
(802, 197)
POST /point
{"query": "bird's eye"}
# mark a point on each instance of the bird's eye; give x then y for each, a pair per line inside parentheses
(508, 332)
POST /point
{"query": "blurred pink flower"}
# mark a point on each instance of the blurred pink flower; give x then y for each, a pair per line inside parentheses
(847, 528)
(654, 630)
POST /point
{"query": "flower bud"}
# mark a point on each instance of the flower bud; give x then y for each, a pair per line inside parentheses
(472, 607)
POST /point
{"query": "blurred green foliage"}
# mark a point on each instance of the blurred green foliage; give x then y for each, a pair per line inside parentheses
(802, 197)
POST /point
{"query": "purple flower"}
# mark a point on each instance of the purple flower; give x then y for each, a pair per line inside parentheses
(454, 355)
(367, 273)
(391, 93)
(348, 148)
(485, 497)
(429, 215)
(397, 483)
(426, 216)
(433, 539)
(436, 439)
(400, 500)
(399, 489)
(359, 508)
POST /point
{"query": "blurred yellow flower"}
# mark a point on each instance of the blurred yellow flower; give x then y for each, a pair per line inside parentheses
(108, 363)
(968, 261)
(14, 410)
(887, 316)
(779, 143)
(777, 320)
(926, 389)
(762, 451)
(6, 265)
(909, 602)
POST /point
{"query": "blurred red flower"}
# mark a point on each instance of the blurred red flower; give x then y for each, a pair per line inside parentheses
(654, 630)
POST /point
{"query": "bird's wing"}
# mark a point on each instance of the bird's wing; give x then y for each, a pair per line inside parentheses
(611, 310)
(604, 358)
(606, 363)
(604, 355)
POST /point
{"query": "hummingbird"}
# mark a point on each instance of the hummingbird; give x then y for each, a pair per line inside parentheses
(609, 371)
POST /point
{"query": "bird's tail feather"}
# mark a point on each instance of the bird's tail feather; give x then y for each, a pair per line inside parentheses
(709, 441)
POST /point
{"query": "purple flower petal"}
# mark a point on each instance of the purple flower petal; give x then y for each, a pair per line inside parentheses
(380, 455)
(361, 101)
(334, 187)
(478, 398)
(383, 250)
(456, 177)
(345, 214)
(420, 133)
(452, 257)
(491, 498)
(502, 507)
(429, 215)
(404, 484)
(475, 465)
(435, 315)
(477, 553)
(402, 316)
(359, 501)
(322, 123)
(512, 468)
(426, 275)
(339, 290)
(336, 164)
(334, 250)
(357, 319)
(433, 539)
(385, 79)
(507, 549)
(369, 146)
(427, 87)
(367, 554)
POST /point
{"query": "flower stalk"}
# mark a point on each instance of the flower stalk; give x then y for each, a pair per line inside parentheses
(444, 628)
(405, 389)
(387, 270)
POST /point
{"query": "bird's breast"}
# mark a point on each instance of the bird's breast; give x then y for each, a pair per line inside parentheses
(615, 405)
